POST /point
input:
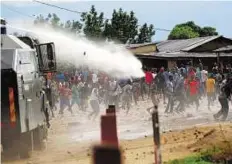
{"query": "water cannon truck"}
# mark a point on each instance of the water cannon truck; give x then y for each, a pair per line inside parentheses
(24, 106)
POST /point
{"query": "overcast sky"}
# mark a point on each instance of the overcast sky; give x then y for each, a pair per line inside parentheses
(161, 14)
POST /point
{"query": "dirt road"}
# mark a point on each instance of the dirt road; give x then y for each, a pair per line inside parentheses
(70, 137)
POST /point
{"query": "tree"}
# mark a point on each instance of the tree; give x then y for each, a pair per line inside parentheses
(76, 27)
(208, 31)
(40, 20)
(122, 27)
(191, 30)
(132, 26)
(184, 32)
(145, 34)
(54, 20)
(68, 24)
(107, 32)
(93, 23)
(192, 25)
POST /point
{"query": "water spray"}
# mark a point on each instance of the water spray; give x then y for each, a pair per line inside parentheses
(112, 59)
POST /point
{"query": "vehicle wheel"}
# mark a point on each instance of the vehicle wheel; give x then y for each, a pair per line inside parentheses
(39, 135)
(25, 150)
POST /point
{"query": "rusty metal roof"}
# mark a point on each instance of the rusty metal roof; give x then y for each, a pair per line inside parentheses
(184, 44)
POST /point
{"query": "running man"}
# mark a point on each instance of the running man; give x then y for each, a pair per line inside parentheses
(210, 89)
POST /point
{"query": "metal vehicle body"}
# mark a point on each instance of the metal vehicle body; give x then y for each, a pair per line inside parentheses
(24, 107)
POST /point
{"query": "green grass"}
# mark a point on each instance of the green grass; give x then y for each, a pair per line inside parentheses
(203, 157)
(190, 160)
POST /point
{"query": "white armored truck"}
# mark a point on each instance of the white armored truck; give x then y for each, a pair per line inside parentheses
(24, 109)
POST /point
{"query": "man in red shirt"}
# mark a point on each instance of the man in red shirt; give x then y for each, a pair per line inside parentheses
(148, 80)
(148, 77)
(193, 91)
(65, 95)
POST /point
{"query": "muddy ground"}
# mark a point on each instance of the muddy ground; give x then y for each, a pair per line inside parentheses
(70, 137)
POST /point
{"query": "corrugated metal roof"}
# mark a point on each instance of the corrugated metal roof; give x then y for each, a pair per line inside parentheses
(131, 46)
(183, 55)
(183, 44)
(223, 49)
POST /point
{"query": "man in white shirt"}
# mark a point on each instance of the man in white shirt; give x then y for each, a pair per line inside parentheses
(94, 103)
(113, 92)
(94, 78)
(204, 77)
(154, 73)
(126, 95)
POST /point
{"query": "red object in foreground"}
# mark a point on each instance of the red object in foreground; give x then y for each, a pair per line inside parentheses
(105, 154)
(109, 130)
(111, 109)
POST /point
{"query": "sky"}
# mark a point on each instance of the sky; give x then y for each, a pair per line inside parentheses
(162, 14)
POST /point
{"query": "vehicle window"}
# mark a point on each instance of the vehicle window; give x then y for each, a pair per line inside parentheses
(26, 61)
(33, 60)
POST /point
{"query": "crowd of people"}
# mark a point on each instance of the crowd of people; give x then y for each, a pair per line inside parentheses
(178, 88)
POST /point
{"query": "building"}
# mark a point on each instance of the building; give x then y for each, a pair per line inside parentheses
(142, 48)
(170, 53)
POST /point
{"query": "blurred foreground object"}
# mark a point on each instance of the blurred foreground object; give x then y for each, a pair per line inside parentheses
(156, 135)
(111, 110)
(109, 127)
(106, 154)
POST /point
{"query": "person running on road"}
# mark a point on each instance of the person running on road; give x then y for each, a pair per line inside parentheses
(148, 80)
(94, 103)
(170, 87)
(80, 88)
(210, 89)
(193, 91)
(203, 79)
(126, 96)
(65, 94)
(161, 83)
(75, 95)
(179, 91)
(226, 91)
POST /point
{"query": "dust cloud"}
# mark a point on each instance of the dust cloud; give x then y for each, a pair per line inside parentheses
(112, 59)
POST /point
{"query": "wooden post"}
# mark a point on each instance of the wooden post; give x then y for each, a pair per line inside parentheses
(109, 129)
(156, 136)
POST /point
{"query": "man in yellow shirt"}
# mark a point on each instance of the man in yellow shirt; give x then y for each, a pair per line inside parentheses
(210, 89)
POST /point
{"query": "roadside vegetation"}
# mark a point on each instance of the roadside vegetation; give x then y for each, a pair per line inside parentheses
(221, 154)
